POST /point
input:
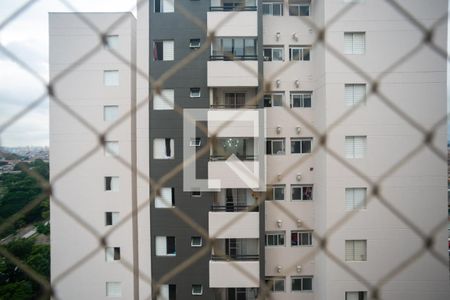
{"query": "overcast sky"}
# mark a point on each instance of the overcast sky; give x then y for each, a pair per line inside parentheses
(27, 37)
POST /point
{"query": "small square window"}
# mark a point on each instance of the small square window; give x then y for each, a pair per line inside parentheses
(195, 93)
(195, 142)
(194, 43)
(196, 194)
(112, 183)
(196, 241)
(111, 78)
(110, 112)
(197, 289)
(111, 148)
(112, 41)
(111, 218)
(112, 253)
(113, 289)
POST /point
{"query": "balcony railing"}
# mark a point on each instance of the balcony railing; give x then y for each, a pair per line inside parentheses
(233, 106)
(231, 57)
(241, 257)
(240, 156)
(234, 208)
(233, 7)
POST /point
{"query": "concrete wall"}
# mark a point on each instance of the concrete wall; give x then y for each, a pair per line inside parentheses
(81, 192)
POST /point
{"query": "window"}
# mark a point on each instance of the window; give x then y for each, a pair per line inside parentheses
(355, 146)
(273, 100)
(196, 194)
(163, 148)
(164, 6)
(111, 218)
(273, 54)
(112, 253)
(195, 142)
(166, 198)
(113, 289)
(301, 99)
(275, 238)
(355, 198)
(165, 100)
(234, 48)
(301, 10)
(301, 145)
(110, 112)
(167, 292)
(163, 50)
(301, 238)
(197, 289)
(111, 148)
(111, 78)
(299, 53)
(354, 93)
(356, 295)
(112, 41)
(234, 100)
(275, 192)
(165, 246)
(272, 9)
(194, 43)
(196, 241)
(354, 42)
(355, 250)
(301, 283)
(302, 192)
(275, 147)
(112, 183)
(194, 92)
(275, 284)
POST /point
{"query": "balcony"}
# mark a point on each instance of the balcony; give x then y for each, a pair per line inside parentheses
(236, 294)
(233, 18)
(226, 224)
(226, 274)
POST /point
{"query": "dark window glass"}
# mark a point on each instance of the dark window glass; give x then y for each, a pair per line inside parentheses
(297, 193)
(171, 245)
(108, 218)
(307, 284)
(304, 10)
(108, 183)
(307, 100)
(172, 292)
(307, 192)
(306, 146)
(116, 253)
(268, 147)
(295, 147)
(267, 54)
(296, 284)
(157, 5)
(267, 101)
(294, 239)
(279, 193)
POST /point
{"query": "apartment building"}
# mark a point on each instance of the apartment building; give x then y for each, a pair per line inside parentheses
(264, 91)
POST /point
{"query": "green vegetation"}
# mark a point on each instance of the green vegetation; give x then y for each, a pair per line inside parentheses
(14, 283)
(16, 191)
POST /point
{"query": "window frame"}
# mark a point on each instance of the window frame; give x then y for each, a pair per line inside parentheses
(114, 220)
(105, 181)
(194, 245)
(272, 48)
(117, 284)
(364, 294)
(162, 203)
(354, 154)
(107, 82)
(271, 6)
(155, 50)
(272, 140)
(355, 101)
(171, 150)
(354, 258)
(278, 235)
(108, 45)
(301, 55)
(161, 6)
(302, 193)
(303, 95)
(195, 92)
(272, 190)
(193, 43)
(114, 256)
(195, 142)
(197, 293)
(355, 207)
(300, 233)
(301, 140)
(353, 51)
(272, 100)
(298, 6)
(273, 285)
(301, 278)
(112, 117)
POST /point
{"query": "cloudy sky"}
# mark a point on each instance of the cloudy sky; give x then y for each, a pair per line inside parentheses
(27, 37)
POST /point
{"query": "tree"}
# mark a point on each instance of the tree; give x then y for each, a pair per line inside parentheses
(20, 290)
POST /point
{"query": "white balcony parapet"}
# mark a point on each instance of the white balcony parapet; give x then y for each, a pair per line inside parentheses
(222, 274)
